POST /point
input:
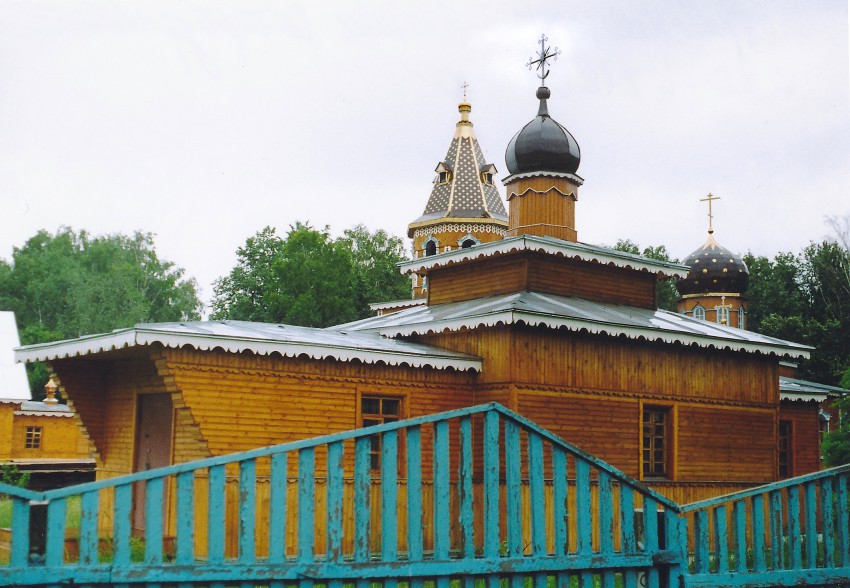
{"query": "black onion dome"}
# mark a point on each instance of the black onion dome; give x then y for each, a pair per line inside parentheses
(714, 269)
(543, 145)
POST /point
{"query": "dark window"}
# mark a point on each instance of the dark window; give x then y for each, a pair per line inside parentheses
(33, 438)
(784, 450)
(656, 442)
(431, 248)
(467, 244)
(377, 410)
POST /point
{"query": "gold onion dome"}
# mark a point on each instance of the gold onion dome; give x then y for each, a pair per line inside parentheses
(714, 269)
(543, 145)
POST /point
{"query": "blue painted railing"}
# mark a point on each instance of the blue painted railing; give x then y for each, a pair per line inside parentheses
(790, 533)
(478, 495)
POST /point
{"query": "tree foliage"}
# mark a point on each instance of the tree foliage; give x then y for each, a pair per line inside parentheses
(70, 284)
(666, 294)
(309, 278)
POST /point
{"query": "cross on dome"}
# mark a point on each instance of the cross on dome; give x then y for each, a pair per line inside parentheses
(543, 56)
(710, 198)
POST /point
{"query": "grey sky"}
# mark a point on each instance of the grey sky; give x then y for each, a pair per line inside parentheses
(205, 121)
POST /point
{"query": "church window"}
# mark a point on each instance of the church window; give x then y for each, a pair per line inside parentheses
(431, 247)
(699, 312)
(444, 173)
(785, 450)
(33, 438)
(741, 319)
(378, 410)
(656, 442)
(722, 315)
(487, 170)
(468, 241)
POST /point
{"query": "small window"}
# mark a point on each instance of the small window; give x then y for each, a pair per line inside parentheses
(785, 450)
(723, 315)
(487, 171)
(487, 179)
(33, 438)
(467, 244)
(377, 410)
(444, 173)
(741, 320)
(699, 312)
(430, 247)
(656, 442)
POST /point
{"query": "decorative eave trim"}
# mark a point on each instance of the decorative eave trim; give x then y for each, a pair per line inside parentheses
(543, 174)
(714, 294)
(446, 220)
(136, 337)
(566, 249)
(519, 317)
(397, 304)
(43, 413)
(572, 195)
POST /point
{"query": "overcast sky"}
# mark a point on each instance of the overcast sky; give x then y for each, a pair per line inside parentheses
(204, 121)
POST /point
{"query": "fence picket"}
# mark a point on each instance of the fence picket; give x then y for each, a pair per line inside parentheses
(186, 518)
(560, 508)
(362, 498)
(776, 529)
(216, 515)
(414, 494)
(739, 534)
(828, 522)
(335, 502)
(153, 521)
(513, 490)
(721, 540)
(795, 547)
(465, 489)
(277, 507)
(306, 504)
(843, 517)
(810, 498)
(759, 555)
(389, 496)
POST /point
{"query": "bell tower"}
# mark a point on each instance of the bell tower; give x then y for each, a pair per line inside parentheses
(465, 207)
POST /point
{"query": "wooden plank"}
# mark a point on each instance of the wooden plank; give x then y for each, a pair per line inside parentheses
(794, 536)
(389, 496)
(828, 522)
(776, 529)
(584, 530)
(465, 488)
(843, 522)
(492, 539)
(627, 519)
(362, 497)
(247, 510)
(153, 520)
(442, 514)
(721, 540)
(537, 492)
(606, 515)
(759, 556)
(513, 483)
(216, 516)
(306, 504)
(560, 508)
(19, 549)
(739, 534)
(650, 537)
(810, 498)
(414, 494)
(55, 544)
(185, 518)
(335, 500)
(277, 507)
(701, 558)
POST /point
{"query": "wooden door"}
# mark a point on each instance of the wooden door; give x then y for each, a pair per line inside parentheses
(154, 416)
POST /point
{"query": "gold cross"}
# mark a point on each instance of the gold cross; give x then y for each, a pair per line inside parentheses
(710, 198)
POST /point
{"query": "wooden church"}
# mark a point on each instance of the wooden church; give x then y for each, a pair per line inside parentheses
(508, 306)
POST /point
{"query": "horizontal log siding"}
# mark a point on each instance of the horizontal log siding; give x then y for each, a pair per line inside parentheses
(61, 437)
(805, 436)
(241, 401)
(726, 444)
(515, 272)
(603, 365)
(591, 281)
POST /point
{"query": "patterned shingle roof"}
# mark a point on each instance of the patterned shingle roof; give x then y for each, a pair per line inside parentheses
(465, 195)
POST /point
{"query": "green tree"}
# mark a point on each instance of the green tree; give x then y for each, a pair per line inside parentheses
(309, 278)
(70, 284)
(666, 294)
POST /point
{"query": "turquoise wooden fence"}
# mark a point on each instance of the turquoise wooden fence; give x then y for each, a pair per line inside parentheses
(791, 533)
(479, 495)
(472, 498)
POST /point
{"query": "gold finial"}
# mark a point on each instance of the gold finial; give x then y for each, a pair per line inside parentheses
(464, 107)
(723, 305)
(51, 387)
(710, 198)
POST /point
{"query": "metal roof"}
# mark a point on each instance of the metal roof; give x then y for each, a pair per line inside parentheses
(794, 389)
(552, 246)
(575, 314)
(260, 338)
